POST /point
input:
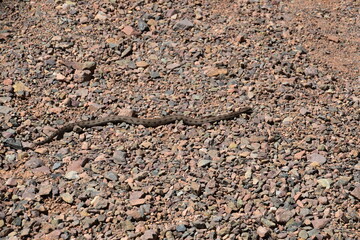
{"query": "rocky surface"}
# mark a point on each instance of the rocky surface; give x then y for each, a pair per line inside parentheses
(290, 170)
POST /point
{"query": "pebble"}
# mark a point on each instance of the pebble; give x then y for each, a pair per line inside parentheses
(111, 176)
(72, 175)
(34, 163)
(67, 197)
(318, 158)
(184, 24)
(204, 163)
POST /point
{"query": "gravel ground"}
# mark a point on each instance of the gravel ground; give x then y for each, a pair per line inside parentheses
(290, 170)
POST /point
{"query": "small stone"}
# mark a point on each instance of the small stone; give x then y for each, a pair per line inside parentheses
(111, 176)
(334, 38)
(172, 66)
(141, 176)
(268, 223)
(303, 234)
(154, 74)
(50, 62)
(262, 231)
(287, 120)
(29, 193)
(45, 189)
(89, 222)
(82, 75)
(257, 139)
(137, 202)
(180, 228)
(282, 215)
(240, 38)
(99, 202)
(136, 195)
(183, 25)
(101, 16)
(94, 107)
(135, 214)
(356, 192)
(313, 232)
(5, 109)
(299, 155)
(8, 82)
(195, 187)
(150, 235)
(248, 173)
(119, 157)
(223, 231)
(77, 165)
(126, 52)
(128, 30)
(233, 145)
(84, 20)
(171, 12)
(142, 25)
(142, 64)
(204, 163)
(20, 88)
(323, 200)
(311, 71)
(216, 71)
(343, 180)
(304, 212)
(113, 43)
(320, 223)
(11, 182)
(304, 111)
(128, 226)
(34, 163)
(42, 170)
(72, 175)
(324, 182)
(315, 157)
(67, 197)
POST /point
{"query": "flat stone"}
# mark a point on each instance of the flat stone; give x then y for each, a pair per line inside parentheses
(5, 109)
(320, 223)
(282, 215)
(111, 176)
(101, 16)
(34, 163)
(150, 235)
(216, 71)
(204, 163)
(318, 158)
(356, 192)
(67, 197)
(324, 182)
(137, 202)
(262, 231)
(183, 25)
(72, 175)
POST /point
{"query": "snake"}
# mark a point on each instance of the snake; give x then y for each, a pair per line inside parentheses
(146, 122)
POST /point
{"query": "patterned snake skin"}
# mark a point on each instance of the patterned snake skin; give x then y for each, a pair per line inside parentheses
(155, 122)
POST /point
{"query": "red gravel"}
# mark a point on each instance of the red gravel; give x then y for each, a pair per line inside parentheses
(290, 170)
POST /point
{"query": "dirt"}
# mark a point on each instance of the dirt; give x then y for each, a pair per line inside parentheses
(289, 170)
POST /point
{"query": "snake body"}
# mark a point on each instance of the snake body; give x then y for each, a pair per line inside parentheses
(154, 122)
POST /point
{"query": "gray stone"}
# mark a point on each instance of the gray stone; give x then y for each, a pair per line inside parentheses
(180, 228)
(204, 163)
(34, 163)
(111, 176)
(183, 24)
(142, 25)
